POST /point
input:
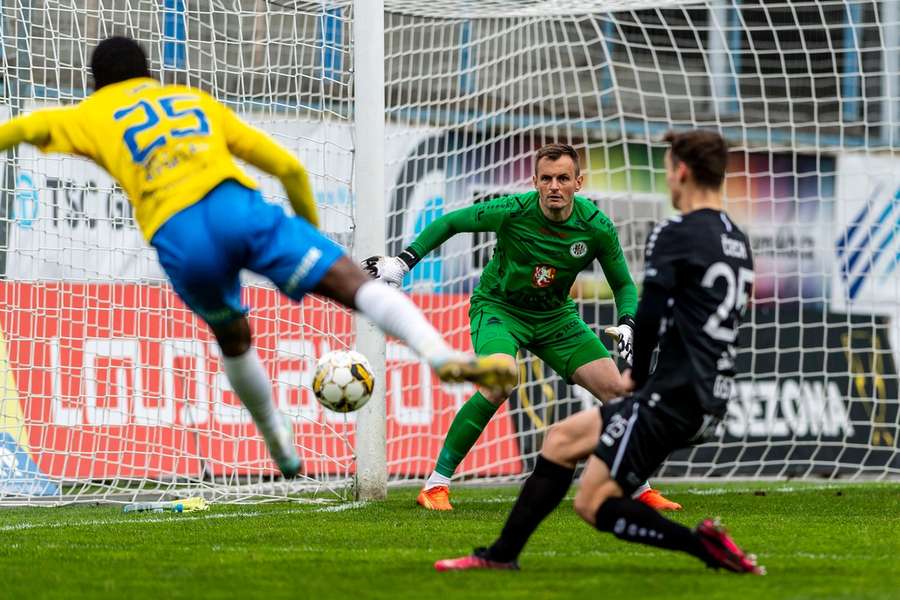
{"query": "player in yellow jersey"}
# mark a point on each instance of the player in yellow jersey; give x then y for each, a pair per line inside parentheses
(172, 150)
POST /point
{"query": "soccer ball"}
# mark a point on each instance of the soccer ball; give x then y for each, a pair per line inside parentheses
(343, 380)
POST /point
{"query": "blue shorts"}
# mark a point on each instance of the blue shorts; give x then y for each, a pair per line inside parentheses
(204, 247)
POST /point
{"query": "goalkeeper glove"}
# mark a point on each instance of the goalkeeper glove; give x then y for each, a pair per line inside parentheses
(623, 333)
(390, 269)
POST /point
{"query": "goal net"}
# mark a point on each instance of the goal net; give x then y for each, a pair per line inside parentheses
(806, 94)
(112, 388)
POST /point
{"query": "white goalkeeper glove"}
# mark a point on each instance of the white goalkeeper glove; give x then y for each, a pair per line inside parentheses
(389, 269)
(623, 333)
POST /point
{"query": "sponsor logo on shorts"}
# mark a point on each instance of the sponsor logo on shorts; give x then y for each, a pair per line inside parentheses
(578, 249)
(494, 321)
(614, 430)
(543, 276)
(308, 261)
(568, 333)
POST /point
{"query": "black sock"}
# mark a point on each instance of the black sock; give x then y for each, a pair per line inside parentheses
(542, 492)
(634, 521)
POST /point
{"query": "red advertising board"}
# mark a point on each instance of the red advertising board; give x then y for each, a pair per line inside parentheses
(123, 381)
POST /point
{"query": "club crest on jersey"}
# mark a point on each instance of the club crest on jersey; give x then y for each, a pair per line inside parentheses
(578, 249)
(543, 276)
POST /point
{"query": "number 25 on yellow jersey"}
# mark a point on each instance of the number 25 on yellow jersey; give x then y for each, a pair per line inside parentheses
(157, 125)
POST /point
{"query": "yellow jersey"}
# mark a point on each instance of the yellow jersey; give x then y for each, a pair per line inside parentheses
(166, 145)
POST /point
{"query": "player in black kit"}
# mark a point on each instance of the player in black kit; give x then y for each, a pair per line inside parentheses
(697, 281)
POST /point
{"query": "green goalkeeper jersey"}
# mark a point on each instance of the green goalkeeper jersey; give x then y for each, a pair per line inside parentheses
(536, 260)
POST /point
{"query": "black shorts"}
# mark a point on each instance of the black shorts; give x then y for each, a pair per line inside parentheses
(641, 430)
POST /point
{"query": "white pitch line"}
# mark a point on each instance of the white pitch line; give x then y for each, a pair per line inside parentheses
(173, 518)
(342, 507)
(137, 519)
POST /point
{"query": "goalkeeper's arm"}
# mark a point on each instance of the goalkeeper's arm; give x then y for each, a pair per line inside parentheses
(487, 216)
(615, 269)
(623, 288)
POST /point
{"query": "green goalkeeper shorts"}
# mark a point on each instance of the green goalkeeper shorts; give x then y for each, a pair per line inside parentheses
(560, 338)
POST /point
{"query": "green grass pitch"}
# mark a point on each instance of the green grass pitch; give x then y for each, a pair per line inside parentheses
(832, 541)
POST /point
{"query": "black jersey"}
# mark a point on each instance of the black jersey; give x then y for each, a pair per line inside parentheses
(704, 263)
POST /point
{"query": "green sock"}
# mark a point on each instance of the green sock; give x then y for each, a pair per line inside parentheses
(467, 425)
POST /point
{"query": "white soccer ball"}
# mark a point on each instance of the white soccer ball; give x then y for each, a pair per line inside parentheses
(343, 380)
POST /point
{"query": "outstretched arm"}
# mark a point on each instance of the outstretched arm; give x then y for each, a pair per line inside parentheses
(51, 130)
(615, 269)
(23, 129)
(261, 151)
(485, 216)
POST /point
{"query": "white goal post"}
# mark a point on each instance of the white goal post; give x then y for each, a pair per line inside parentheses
(403, 111)
(371, 436)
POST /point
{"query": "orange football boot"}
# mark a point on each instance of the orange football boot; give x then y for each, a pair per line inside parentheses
(436, 498)
(654, 499)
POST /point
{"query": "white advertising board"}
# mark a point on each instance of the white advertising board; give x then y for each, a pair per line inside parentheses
(866, 233)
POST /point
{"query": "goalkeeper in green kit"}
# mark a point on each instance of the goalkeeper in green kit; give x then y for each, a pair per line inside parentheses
(544, 239)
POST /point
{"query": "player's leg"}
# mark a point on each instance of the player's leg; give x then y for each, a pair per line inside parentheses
(199, 262)
(395, 314)
(602, 379)
(600, 501)
(251, 383)
(634, 442)
(299, 259)
(567, 442)
(465, 429)
(469, 422)
(570, 348)
(343, 281)
(565, 342)
(599, 376)
(601, 498)
(494, 333)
